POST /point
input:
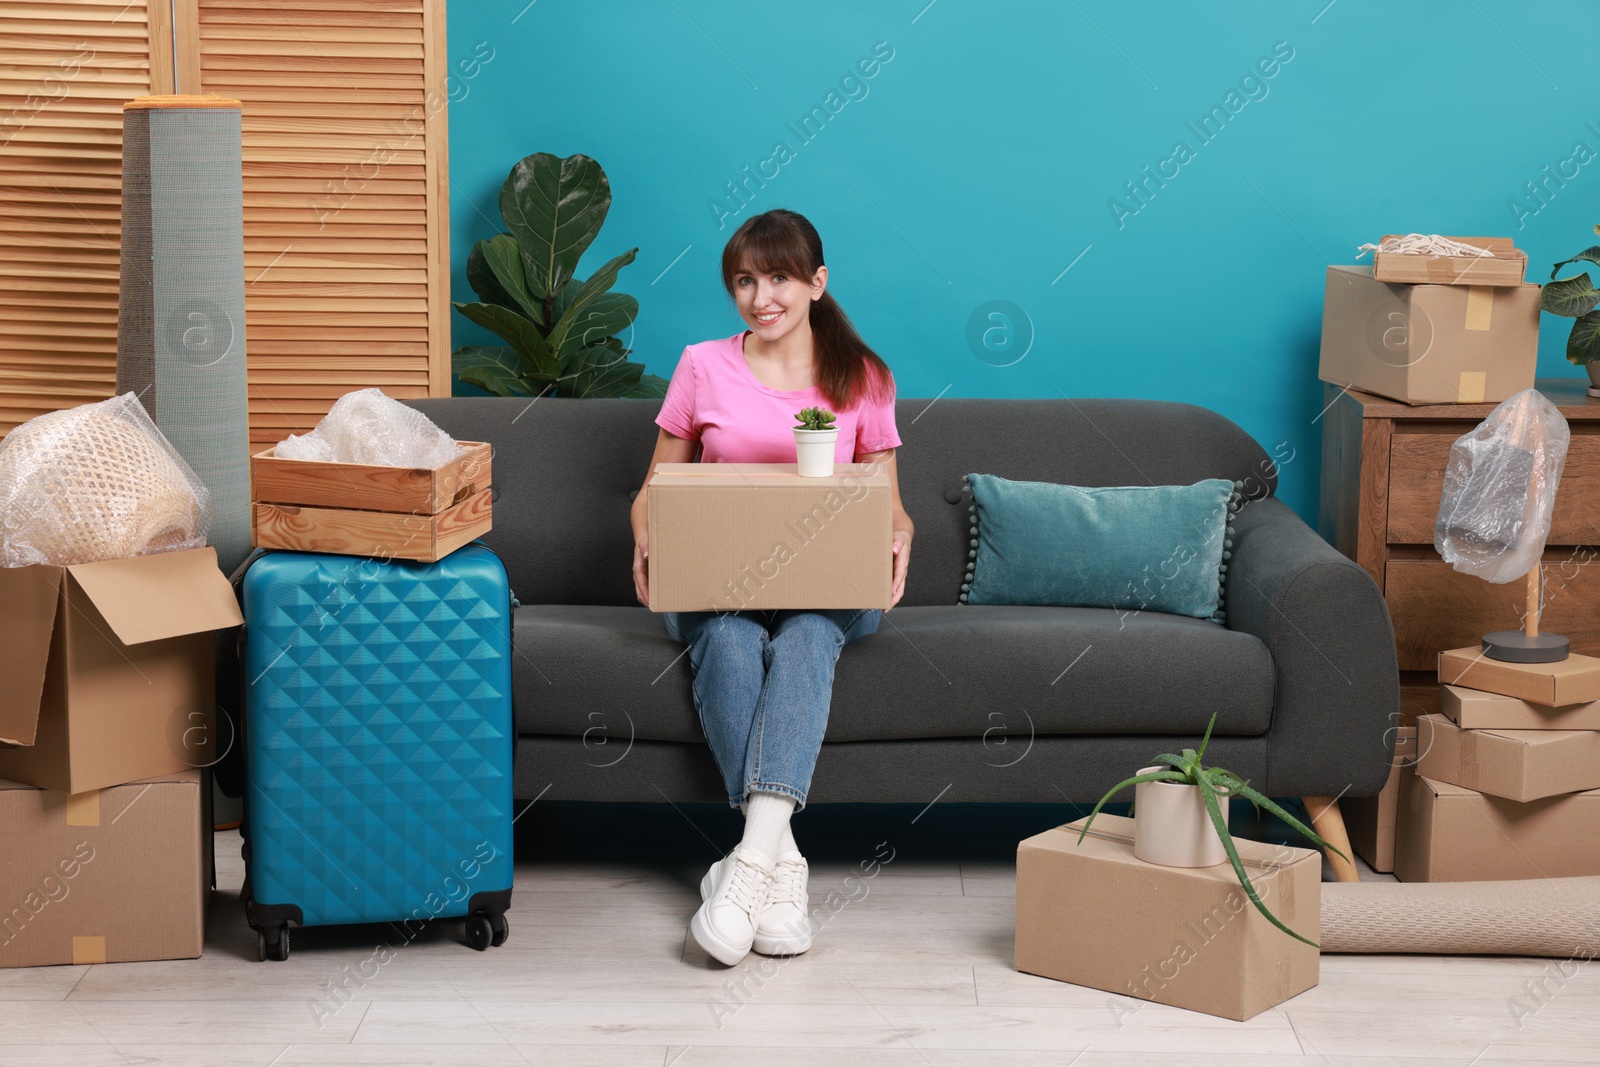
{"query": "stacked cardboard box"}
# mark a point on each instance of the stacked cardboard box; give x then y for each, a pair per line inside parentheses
(107, 724)
(1432, 330)
(1507, 776)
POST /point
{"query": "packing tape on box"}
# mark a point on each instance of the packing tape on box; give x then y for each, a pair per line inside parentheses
(1480, 306)
(1470, 387)
(83, 809)
(88, 950)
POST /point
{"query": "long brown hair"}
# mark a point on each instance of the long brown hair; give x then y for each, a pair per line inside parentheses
(784, 242)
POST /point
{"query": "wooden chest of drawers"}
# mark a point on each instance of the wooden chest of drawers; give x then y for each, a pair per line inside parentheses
(1383, 468)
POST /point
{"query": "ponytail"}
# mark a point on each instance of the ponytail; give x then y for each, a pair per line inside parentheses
(848, 371)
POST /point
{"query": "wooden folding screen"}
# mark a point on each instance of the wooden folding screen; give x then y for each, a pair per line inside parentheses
(345, 183)
(65, 69)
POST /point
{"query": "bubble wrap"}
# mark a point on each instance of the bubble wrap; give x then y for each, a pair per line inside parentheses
(96, 482)
(1499, 488)
(368, 427)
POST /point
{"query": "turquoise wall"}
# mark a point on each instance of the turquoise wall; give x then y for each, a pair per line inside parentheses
(986, 157)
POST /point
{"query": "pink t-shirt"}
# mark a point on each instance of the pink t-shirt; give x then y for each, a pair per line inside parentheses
(714, 398)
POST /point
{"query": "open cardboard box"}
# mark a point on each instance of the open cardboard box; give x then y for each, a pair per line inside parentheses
(737, 536)
(109, 668)
(1507, 266)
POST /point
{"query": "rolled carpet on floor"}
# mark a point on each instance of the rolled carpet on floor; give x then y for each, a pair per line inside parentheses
(1558, 917)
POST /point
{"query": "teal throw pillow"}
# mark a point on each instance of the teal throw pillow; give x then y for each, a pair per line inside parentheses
(1143, 548)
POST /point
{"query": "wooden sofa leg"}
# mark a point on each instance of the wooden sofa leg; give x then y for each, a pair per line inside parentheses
(1328, 822)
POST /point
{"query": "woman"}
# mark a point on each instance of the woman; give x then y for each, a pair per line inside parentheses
(763, 680)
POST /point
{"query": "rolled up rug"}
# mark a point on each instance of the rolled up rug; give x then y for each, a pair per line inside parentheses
(1557, 917)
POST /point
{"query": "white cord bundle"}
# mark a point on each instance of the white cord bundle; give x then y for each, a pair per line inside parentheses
(1424, 244)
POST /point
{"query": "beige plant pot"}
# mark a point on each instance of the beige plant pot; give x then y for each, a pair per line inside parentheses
(814, 451)
(1171, 826)
(1594, 373)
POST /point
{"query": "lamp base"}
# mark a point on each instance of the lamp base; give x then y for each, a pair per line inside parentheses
(1514, 646)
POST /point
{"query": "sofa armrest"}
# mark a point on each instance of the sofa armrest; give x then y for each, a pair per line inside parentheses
(1337, 689)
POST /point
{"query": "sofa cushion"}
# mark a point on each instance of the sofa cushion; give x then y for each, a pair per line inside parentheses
(995, 674)
(1152, 547)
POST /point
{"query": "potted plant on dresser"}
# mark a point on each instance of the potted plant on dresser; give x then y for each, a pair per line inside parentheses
(1576, 298)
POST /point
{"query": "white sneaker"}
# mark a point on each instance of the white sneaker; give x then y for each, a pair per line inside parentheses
(725, 923)
(784, 928)
(783, 925)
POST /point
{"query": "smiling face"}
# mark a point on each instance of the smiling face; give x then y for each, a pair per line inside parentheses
(775, 304)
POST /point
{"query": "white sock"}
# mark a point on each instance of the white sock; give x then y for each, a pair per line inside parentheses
(786, 843)
(766, 823)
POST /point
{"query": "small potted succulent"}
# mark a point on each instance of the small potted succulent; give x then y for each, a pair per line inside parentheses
(1577, 298)
(1181, 817)
(815, 439)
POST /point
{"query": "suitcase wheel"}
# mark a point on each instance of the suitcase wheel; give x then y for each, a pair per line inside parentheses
(502, 929)
(275, 947)
(480, 931)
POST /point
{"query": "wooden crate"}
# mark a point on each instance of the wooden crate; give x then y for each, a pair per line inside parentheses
(368, 487)
(355, 509)
(381, 534)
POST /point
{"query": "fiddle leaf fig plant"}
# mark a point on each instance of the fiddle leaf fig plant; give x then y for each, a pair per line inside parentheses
(561, 332)
(815, 419)
(1216, 786)
(1576, 298)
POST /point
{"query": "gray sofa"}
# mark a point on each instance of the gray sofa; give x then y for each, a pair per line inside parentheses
(947, 701)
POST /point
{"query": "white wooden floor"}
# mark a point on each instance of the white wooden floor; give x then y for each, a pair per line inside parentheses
(599, 970)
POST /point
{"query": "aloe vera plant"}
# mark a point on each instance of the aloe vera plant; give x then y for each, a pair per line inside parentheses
(815, 419)
(1216, 786)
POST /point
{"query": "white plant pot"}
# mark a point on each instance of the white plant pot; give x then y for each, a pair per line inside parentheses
(1171, 826)
(1594, 373)
(814, 451)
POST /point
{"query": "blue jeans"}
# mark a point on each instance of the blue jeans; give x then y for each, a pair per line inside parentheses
(763, 681)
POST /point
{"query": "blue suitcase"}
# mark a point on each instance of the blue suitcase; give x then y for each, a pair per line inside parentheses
(378, 743)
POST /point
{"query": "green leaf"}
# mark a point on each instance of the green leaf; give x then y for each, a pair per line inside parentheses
(554, 208)
(1214, 809)
(602, 370)
(650, 387)
(1570, 297)
(499, 258)
(566, 336)
(491, 368)
(483, 280)
(1204, 741)
(538, 362)
(591, 323)
(1583, 343)
(1588, 255)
